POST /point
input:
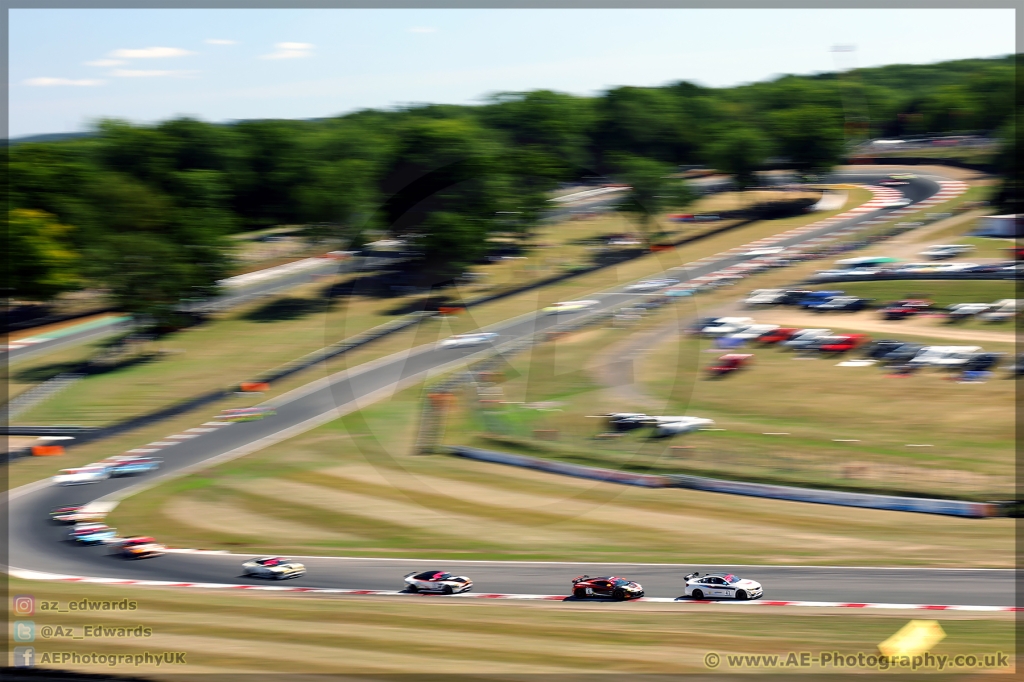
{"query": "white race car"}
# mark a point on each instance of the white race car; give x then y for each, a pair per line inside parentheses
(82, 475)
(276, 567)
(569, 306)
(674, 426)
(437, 581)
(462, 340)
(651, 285)
(721, 586)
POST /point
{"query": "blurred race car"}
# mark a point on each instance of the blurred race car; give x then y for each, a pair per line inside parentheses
(569, 306)
(127, 465)
(141, 547)
(437, 581)
(721, 586)
(651, 285)
(92, 534)
(276, 567)
(462, 340)
(74, 514)
(612, 587)
(674, 426)
(82, 475)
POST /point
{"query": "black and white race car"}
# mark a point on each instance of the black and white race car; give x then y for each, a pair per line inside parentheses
(274, 567)
(437, 581)
(721, 586)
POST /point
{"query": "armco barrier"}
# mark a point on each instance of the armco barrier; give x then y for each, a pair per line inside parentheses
(575, 470)
(974, 510)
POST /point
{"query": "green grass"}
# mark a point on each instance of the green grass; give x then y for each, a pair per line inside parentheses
(242, 634)
(970, 428)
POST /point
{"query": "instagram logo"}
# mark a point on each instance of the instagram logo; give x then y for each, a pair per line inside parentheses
(24, 605)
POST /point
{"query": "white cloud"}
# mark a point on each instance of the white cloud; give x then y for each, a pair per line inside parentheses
(105, 62)
(62, 81)
(139, 73)
(290, 51)
(220, 41)
(422, 29)
(150, 53)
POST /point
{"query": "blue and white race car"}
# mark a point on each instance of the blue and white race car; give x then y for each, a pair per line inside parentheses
(93, 534)
(127, 465)
(721, 586)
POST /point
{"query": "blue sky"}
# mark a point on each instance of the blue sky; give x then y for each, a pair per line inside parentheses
(70, 67)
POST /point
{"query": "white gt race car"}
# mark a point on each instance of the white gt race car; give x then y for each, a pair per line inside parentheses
(721, 586)
(463, 340)
(82, 475)
(569, 306)
(276, 567)
(437, 581)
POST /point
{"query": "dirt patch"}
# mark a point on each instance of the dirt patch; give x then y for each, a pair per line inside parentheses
(220, 516)
(869, 322)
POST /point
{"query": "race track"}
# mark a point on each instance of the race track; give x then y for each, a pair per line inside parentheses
(38, 545)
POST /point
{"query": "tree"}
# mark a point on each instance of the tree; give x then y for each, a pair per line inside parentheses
(40, 262)
(652, 191)
(810, 136)
(445, 166)
(450, 243)
(739, 152)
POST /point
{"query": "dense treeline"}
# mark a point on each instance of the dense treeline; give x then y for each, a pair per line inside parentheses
(145, 210)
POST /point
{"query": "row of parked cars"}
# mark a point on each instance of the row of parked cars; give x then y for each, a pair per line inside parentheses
(737, 331)
(839, 301)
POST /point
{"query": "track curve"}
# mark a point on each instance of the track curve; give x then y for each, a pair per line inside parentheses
(37, 545)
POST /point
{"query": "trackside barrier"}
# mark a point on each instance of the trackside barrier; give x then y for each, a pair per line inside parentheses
(575, 470)
(973, 510)
(47, 450)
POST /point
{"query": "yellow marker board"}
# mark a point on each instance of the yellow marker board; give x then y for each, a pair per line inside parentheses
(913, 639)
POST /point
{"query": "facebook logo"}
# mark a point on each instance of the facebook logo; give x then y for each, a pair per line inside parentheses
(24, 631)
(24, 656)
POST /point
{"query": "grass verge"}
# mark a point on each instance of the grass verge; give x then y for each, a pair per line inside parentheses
(251, 634)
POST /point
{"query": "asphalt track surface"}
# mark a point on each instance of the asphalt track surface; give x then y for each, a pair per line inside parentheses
(38, 545)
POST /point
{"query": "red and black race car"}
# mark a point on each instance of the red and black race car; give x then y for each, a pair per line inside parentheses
(612, 587)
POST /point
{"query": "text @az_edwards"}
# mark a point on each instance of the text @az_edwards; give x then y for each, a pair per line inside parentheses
(834, 660)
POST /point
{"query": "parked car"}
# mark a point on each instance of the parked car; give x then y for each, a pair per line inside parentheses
(962, 311)
(727, 325)
(727, 364)
(778, 335)
(983, 362)
(844, 304)
(753, 332)
(843, 343)
(794, 296)
(1001, 310)
(944, 356)
(900, 310)
(903, 353)
(815, 297)
(805, 337)
(876, 350)
(763, 297)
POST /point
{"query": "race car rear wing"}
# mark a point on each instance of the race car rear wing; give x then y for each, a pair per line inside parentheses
(580, 579)
(691, 576)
